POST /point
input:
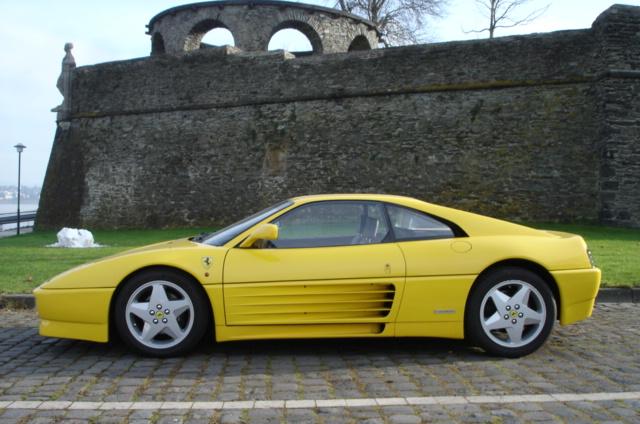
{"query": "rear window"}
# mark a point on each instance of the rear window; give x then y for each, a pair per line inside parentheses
(409, 224)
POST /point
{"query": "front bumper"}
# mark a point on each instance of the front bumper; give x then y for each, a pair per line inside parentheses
(81, 314)
(578, 290)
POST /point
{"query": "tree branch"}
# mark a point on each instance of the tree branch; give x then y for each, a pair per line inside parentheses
(501, 11)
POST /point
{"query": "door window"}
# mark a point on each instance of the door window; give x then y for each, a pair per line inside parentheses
(332, 223)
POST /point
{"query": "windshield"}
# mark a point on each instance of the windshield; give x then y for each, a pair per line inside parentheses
(221, 237)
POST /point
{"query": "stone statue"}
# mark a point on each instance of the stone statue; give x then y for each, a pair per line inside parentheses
(64, 83)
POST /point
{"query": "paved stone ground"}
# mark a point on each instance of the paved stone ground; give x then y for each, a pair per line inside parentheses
(601, 354)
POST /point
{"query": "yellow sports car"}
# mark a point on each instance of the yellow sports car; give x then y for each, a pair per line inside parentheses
(333, 266)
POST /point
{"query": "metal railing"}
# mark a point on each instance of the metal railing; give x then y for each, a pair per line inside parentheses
(12, 217)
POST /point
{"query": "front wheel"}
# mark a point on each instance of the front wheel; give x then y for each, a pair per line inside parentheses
(161, 313)
(511, 312)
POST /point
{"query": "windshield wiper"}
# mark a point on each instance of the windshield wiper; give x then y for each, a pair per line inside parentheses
(199, 238)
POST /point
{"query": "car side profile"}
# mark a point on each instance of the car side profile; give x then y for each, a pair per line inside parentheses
(338, 265)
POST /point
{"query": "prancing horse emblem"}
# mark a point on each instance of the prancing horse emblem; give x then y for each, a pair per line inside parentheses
(207, 261)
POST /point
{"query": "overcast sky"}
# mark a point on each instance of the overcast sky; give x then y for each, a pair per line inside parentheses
(33, 33)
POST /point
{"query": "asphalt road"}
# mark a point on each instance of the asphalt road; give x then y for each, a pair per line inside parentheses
(587, 372)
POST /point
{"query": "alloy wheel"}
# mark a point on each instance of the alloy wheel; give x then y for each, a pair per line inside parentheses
(159, 314)
(513, 313)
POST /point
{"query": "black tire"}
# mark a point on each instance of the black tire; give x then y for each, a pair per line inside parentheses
(502, 283)
(193, 322)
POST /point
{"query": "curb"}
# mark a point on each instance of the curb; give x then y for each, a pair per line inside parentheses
(605, 295)
(17, 301)
(619, 295)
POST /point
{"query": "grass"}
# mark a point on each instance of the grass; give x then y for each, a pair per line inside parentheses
(25, 262)
(616, 251)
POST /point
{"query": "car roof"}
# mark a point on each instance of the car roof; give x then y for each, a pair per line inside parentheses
(355, 196)
(390, 198)
(471, 223)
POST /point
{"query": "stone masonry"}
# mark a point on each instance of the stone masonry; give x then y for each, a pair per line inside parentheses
(586, 372)
(544, 127)
(253, 23)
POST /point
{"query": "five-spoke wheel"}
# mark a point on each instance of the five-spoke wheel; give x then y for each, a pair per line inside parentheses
(511, 312)
(161, 313)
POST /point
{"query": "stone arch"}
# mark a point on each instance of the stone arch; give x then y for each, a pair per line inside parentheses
(194, 38)
(359, 43)
(252, 23)
(157, 44)
(218, 37)
(306, 29)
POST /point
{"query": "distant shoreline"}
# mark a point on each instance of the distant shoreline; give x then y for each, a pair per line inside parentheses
(8, 208)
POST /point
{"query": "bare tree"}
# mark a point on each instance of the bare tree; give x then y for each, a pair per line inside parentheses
(398, 21)
(502, 14)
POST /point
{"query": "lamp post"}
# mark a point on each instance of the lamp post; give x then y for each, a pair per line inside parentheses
(19, 147)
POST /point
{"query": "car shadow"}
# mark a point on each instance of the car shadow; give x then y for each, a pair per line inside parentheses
(279, 347)
(437, 350)
(71, 358)
(343, 346)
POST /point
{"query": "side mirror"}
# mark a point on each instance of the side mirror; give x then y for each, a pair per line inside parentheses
(263, 232)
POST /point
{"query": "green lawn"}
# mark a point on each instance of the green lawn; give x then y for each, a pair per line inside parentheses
(25, 262)
(616, 251)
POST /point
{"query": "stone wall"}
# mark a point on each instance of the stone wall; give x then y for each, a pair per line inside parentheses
(618, 30)
(542, 127)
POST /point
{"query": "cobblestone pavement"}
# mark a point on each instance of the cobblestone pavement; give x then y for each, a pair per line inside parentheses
(600, 355)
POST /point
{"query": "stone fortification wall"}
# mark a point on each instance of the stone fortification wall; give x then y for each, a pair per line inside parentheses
(540, 127)
(619, 98)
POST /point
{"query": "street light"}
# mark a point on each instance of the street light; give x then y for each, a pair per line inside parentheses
(19, 147)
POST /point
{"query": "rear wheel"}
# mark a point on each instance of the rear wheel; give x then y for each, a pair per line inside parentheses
(511, 312)
(161, 313)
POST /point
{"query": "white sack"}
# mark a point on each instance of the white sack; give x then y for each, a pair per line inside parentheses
(73, 237)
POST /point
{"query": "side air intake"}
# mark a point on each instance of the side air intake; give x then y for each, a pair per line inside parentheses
(308, 303)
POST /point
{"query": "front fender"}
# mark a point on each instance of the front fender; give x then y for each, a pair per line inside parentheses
(110, 271)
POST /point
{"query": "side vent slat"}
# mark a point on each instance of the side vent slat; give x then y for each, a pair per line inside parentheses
(279, 304)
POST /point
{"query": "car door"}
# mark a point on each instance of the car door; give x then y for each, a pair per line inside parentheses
(331, 263)
(438, 277)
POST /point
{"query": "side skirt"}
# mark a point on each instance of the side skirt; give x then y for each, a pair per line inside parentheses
(255, 332)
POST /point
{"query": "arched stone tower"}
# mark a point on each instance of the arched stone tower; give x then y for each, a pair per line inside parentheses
(253, 23)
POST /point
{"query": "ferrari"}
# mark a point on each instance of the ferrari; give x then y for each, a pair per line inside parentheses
(330, 266)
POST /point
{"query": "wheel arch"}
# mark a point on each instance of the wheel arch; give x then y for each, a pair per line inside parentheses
(112, 330)
(520, 263)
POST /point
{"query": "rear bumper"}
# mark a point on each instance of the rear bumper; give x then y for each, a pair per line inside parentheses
(74, 313)
(578, 290)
